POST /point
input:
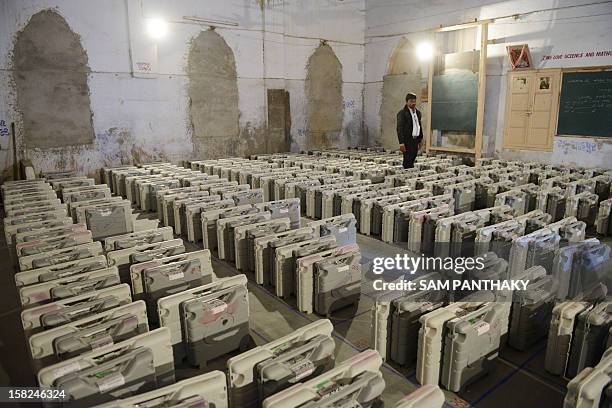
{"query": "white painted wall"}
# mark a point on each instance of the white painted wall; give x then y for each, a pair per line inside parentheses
(566, 26)
(146, 115)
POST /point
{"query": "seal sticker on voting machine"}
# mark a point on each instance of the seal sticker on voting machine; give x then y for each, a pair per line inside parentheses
(70, 286)
(62, 270)
(204, 391)
(88, 333)
(136, 269)
(138, 238)
(139, 364)
(61, 255)
(245, 375)
(354, 382)
(170, 310)
(63, 311)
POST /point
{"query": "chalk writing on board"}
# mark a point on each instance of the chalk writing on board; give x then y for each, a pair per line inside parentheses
(571, 146)
(349, 104)
(4, 132)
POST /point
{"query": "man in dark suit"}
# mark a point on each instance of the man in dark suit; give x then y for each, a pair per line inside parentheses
(409, 130)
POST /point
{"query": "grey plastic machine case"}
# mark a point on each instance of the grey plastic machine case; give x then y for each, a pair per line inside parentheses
(69, 286)
(342, 227)
(122, 258)
(63, 311)
(603, 223)
(61, 255)
(86, 194)
(210, 218)
(194, 212)
(403, 323)
(49, 244)
(225, 232)
(62, 270)
(289, 207)
(223, 300)
(265, 370)
(107, 220)
(204, 390)
(390, 305)
(167, 207)
(282, 260)
(426, 396)
(532, 308)
(163, 280)
(34, 221)
(244, 248)
(590, 338)
(471, 343)
(151, 236)
(136, 269)
(180, 211)
(74, 206)
(311, 289)
(430, 355)
(139, 364)
(88, 333)
(356, 382)
(591, 387)
(263, 249)
(337, 282)
(560, 334)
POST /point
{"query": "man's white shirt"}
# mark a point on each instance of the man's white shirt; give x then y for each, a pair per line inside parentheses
(416, 128)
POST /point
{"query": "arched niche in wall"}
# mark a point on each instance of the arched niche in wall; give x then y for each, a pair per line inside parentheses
(213, 94)
(324, 104)
(50, 73)
(403, 76)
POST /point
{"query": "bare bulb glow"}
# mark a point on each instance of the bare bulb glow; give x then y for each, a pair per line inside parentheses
(424, 51)
(157, 28)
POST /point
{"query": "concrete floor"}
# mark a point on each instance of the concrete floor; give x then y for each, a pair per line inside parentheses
(518, 379)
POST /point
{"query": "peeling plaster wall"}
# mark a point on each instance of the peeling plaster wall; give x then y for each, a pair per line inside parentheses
(324, 96)
(50, 71)
(146, 116)
(213, 95)
(569, 26)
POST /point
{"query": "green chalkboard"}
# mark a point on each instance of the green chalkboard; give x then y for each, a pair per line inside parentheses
(454, 92)
(585, 105)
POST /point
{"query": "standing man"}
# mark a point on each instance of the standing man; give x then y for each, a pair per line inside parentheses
(409, 131)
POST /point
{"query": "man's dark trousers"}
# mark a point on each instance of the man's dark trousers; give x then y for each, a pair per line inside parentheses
(412, 149)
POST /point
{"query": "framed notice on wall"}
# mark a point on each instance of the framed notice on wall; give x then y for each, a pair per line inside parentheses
(519, 56)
